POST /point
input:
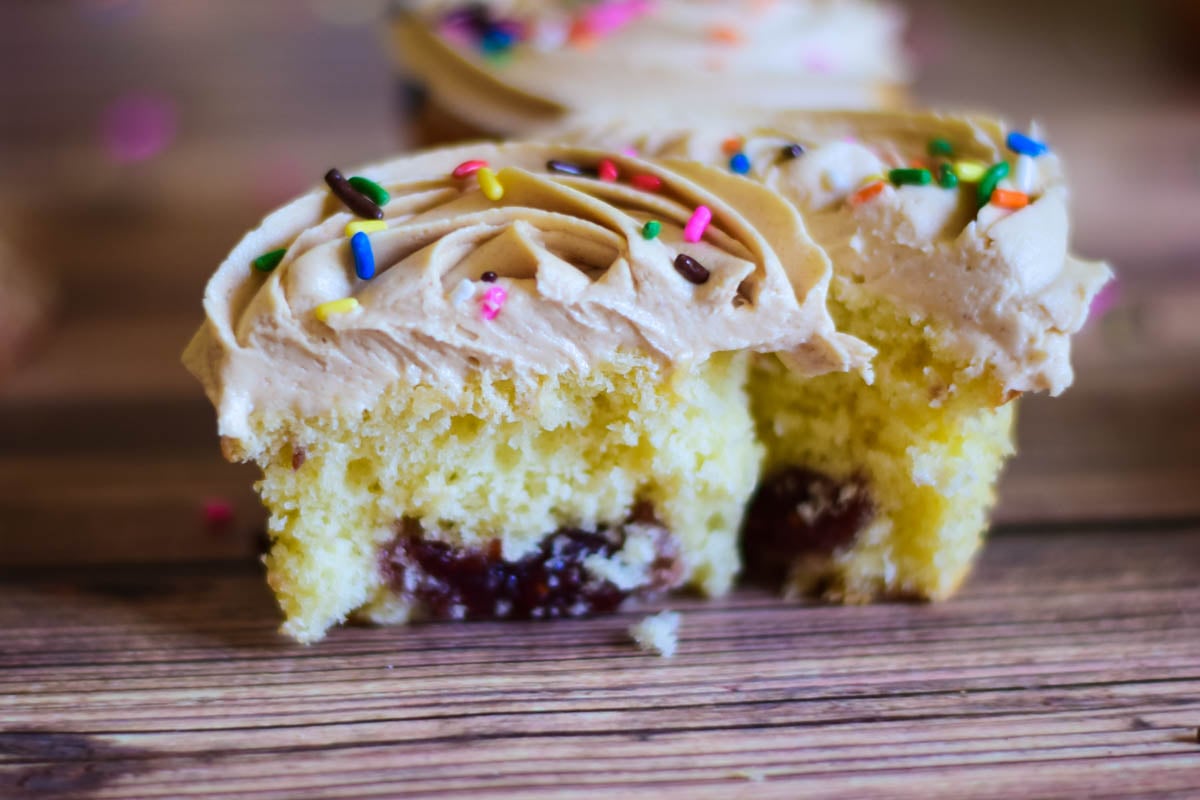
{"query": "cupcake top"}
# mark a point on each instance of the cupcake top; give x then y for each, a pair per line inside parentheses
(523, 259)
(956, 221)
(509, 65)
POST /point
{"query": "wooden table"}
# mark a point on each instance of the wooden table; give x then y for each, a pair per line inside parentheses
(138, 653)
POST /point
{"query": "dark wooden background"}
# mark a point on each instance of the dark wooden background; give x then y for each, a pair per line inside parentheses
(137, 652)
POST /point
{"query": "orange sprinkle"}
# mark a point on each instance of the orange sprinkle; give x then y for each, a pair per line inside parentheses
(725, 34)
(920, 163)
(731, 145)
(582, 35)
(1006, 198)
(867, 192)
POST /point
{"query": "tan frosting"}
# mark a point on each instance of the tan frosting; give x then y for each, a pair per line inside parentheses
(1001, 285)
(583, 284)
(787, 54)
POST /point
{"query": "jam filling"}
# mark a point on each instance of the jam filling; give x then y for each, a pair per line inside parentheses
(447, 582)
(798, 514)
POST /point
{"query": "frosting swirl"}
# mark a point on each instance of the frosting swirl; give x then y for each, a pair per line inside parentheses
(714, 55)
(1000, 285)
(582, 284)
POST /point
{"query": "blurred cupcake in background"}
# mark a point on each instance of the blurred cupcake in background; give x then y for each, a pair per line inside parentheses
(508, 67)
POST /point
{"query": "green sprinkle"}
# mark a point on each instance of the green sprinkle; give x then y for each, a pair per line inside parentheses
(995, 173)
(374, 192)
(946, 177)
(269, 261)
(910, 177)
(941, 147)
(650, 229)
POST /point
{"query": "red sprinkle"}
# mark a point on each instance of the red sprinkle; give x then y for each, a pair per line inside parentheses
(1006, 198)
(468, 168)
(607, 171)
(867, 192)
(732, 145)
(218, 514)
(649, 183)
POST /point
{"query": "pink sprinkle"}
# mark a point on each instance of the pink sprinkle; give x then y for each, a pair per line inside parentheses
(493, 301)
(137, 127)
(607, 171)
(218, 514)
(630, 151)
(607, 17)
(469, 168)
(649, 183)
(694, 230)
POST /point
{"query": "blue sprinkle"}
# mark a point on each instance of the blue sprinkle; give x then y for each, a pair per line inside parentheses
(1024, 145)
(740, 164)
(496, 41)
(364, 256)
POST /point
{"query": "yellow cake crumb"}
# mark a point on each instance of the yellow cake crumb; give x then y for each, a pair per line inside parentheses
(658, 633)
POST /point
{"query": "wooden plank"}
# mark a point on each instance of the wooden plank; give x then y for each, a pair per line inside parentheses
(1068, 666)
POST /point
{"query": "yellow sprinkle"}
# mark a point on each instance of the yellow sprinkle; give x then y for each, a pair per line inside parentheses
(366, 226)
(969, 171)
(343, 306)
(876, 178)
(491, 187)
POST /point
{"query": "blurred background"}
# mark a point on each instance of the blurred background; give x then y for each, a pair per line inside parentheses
(140, 138)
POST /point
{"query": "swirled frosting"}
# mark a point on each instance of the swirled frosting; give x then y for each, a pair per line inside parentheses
(583, 285)
(1000, 286)
(643, 57)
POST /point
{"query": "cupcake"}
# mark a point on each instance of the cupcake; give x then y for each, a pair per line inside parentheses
(509, 381)
(501, 68)
(949, 242)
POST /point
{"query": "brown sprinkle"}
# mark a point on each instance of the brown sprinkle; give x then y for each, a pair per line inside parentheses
(488, 277)
(355, 200)
(691, 269)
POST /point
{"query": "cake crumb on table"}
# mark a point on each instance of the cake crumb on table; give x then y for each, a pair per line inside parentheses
(658, 633)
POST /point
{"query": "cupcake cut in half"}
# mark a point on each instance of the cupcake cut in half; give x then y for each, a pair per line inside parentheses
(504, 67)
(531, 402)
(949, 242)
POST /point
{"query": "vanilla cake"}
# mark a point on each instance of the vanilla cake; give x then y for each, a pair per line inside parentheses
(949, 241)
(509, 380)
(504, 67)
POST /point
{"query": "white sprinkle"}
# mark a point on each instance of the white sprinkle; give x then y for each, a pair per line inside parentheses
(658, 634)
(1023, 177)
(463, 292)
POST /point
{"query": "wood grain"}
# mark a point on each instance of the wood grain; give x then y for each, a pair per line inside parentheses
(1069, 667)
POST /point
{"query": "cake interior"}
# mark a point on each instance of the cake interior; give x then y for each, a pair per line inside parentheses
(626, 479)
(880, 489)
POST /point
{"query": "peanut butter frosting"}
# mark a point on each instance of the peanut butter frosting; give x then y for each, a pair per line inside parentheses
(997, 285)
(510, 65)
(576, 279)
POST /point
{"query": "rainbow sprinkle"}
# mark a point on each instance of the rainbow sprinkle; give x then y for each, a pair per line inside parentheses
(607, 170)
(1022, 144)
(651, 229)
(489, 184)
(343, 306)
(468, 168)
(267, 262)
(493, 301)
(647, 183)
(365, 226)
(364, 256)
(871, 190)
(697, 224)
(740, 163)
